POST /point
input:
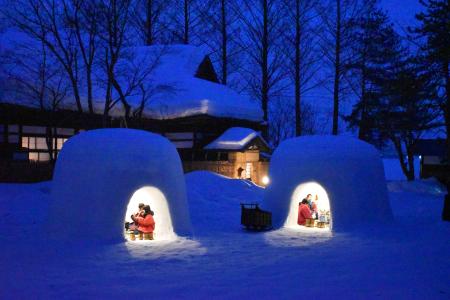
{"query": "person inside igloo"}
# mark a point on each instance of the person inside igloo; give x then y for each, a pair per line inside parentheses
(312, 213)
(143, 224)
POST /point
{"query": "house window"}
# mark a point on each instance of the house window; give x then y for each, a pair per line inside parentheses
(65, 131)
(59, 143)
(183, 144)
(248, 170)
(38, 156)
(25, 141)
(34, 129)
(41, 143)
(13, 139)
(13, 128)
(33, 156)
(20, 156)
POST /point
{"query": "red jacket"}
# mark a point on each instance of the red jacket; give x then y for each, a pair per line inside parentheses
(146, 224)
(303, 213)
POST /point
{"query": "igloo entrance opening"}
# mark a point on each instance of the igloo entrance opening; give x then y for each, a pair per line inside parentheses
(319, 196)
(158, 204)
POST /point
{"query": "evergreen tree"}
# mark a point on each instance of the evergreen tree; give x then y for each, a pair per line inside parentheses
(406, 109)
(433, 35)
(376, 47)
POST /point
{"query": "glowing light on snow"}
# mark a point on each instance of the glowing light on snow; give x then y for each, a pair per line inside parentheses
(265, 180)
(158, 203)
(299, 194)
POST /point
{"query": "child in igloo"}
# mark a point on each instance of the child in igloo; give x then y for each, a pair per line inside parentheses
(145, 224)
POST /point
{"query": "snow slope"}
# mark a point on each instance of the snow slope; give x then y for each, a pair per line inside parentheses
(408, 260)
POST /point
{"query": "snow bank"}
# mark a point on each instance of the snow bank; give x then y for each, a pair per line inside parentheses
(350, 171)
(215, 200)
(98, 172)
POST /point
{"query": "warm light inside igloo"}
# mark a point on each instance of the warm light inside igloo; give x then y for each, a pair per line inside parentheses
(318, 195)
(158, 204)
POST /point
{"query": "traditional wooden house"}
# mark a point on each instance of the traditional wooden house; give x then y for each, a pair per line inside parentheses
(237, 153)
(187, 105)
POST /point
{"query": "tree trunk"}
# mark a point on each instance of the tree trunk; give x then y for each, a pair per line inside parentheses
(298, 124)
(149, 23)
(264, 65)
(362, 134)
(76, 94)
(447, 116)
(337, 69)
(107, 105)
(89, 88)
(410, 175)
(410, 159)
(224, 43)
(186, 22)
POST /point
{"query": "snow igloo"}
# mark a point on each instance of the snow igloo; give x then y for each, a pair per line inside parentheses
(102, 175)
(346, 174)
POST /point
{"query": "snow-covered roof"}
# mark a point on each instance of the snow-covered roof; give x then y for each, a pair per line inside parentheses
(178, 93)
(167, 74)
(235, 138)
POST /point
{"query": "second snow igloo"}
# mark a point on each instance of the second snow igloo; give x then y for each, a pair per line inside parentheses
(345, 172)
(102, 175)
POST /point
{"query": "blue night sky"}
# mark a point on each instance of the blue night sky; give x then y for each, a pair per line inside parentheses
(402, 12)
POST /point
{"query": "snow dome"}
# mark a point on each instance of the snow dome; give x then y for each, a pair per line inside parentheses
(346, 174)
(101, 176)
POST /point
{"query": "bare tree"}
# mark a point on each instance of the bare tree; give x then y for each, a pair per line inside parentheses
(218, 29)
(283, 120)
(148, 20)
(44, 21)
(83, 17)
(336, 39)
(265, 73)
(35, 79)
(303, 65)
(69, 29)
(183, 19)
(116, 20)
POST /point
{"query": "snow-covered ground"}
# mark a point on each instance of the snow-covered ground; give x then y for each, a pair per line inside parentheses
(407, 260)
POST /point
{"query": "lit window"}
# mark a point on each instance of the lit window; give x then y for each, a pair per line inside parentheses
(59, 144)
(33, 156)
(32, 143)
(41, 143)
(248, 170)
(44, 157)
(25, 142)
